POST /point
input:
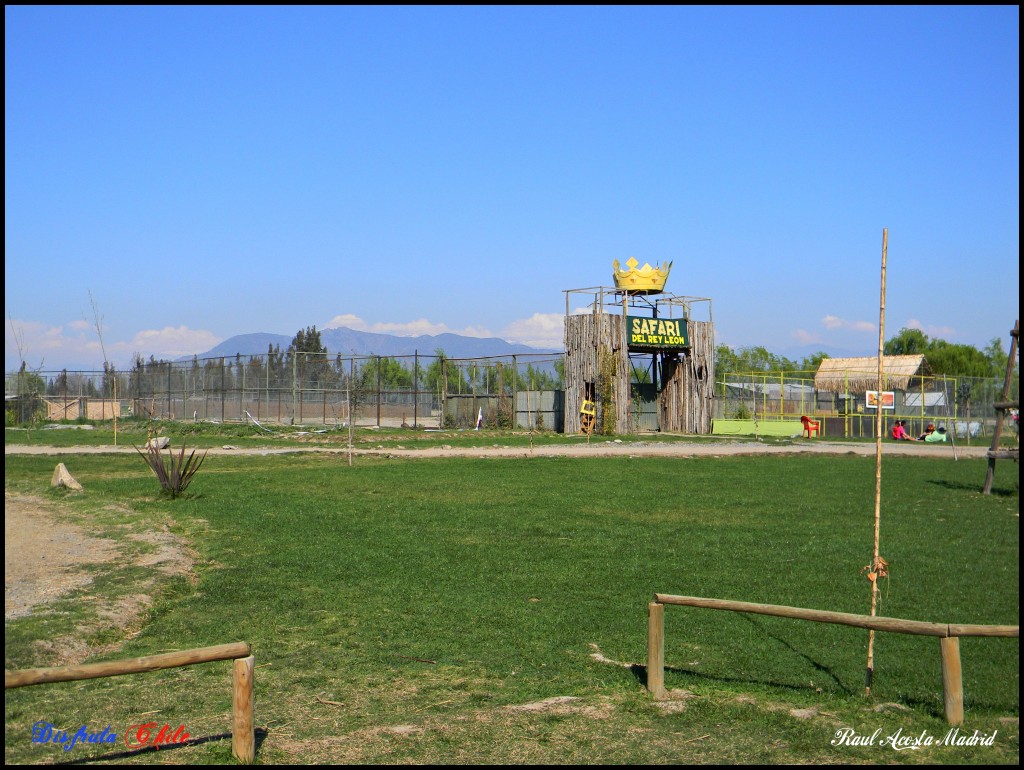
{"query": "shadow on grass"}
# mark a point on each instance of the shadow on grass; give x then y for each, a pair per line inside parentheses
(922, 706)
(955, 486)
(817, 666)
(640, 671)
(261, 736)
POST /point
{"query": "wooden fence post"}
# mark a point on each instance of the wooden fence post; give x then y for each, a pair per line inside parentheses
(952, 680)
(656, 649)
(32, 676)
(243, 736)
(949, 638)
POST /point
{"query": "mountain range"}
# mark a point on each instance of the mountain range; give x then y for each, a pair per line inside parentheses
(351, 342)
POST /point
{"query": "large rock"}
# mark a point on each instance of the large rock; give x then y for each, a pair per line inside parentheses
(161, 442)
(63, 478)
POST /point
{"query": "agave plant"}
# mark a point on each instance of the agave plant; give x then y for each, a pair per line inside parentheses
(176, 474)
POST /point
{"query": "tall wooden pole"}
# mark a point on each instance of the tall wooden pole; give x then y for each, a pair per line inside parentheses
(351, 420)
(873, 570)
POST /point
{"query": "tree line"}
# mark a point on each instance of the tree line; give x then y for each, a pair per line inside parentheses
(944, 358)
(306, 364)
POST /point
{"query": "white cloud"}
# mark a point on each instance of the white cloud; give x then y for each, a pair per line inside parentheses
(44, 345)
(941, 332)
(805, 337)
(541, 330)
(169, 342)
(348, 321)
(832, 322)
(416, 328)
(75, 345)
(835, 322)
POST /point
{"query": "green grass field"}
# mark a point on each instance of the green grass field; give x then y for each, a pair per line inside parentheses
(406, 610)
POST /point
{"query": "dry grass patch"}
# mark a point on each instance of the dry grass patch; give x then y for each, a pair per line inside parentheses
(49, 558)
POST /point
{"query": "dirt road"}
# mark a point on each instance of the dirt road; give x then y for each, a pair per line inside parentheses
(579, 447)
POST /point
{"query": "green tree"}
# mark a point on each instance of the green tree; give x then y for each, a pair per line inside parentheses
(750, 359)
(812, 362)
(393, 376)
(29, 381)
(227, 374)
(30, 385)
(59, 385)
(311, 356)
(276, 366)
(256, 375)
(194, 377)
(536, 378)
(996, 355)
(137, 377)
(434, 378)
(307, 341)
(109, 377)
(908, 342)
(559, 367)
(957, 360)
(951, 359)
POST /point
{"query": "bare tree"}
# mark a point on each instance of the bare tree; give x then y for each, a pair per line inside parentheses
(29, 383)
(107, 366)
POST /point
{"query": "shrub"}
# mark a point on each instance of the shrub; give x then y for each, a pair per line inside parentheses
(177, 473)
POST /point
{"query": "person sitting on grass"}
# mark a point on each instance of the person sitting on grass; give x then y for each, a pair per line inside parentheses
(936, 436)
(899, 432)
(927, 432)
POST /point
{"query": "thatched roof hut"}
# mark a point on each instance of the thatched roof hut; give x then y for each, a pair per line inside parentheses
(842, 375)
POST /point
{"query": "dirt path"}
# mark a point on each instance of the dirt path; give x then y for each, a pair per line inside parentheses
(577, 448)
(47, 557)
(43, 556)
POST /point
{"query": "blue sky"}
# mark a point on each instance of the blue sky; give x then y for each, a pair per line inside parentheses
(197, 173)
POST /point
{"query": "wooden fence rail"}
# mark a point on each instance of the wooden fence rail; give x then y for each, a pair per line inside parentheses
(243, 736)
(949, 638)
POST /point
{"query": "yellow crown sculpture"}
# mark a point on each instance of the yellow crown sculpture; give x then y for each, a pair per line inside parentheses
(647, 279)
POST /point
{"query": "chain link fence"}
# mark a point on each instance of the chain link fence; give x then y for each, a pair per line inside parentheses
(964, 405)
(303, 388)
(432, 391)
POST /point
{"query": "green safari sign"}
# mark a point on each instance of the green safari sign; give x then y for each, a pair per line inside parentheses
(657, 333)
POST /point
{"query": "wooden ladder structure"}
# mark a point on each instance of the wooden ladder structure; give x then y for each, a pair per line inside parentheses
(1001, 407)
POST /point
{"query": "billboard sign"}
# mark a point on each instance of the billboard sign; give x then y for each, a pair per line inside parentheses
(888, 399)
(657, 333)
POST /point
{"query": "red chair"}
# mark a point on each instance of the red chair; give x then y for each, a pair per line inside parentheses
(810, 426)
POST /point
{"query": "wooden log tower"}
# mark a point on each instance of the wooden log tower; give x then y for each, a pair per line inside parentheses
(601, 356)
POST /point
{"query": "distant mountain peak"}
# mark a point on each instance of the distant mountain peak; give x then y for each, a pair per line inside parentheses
(350, 342)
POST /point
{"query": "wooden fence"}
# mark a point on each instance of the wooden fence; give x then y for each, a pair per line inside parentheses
(949, 638)
(243, 736)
